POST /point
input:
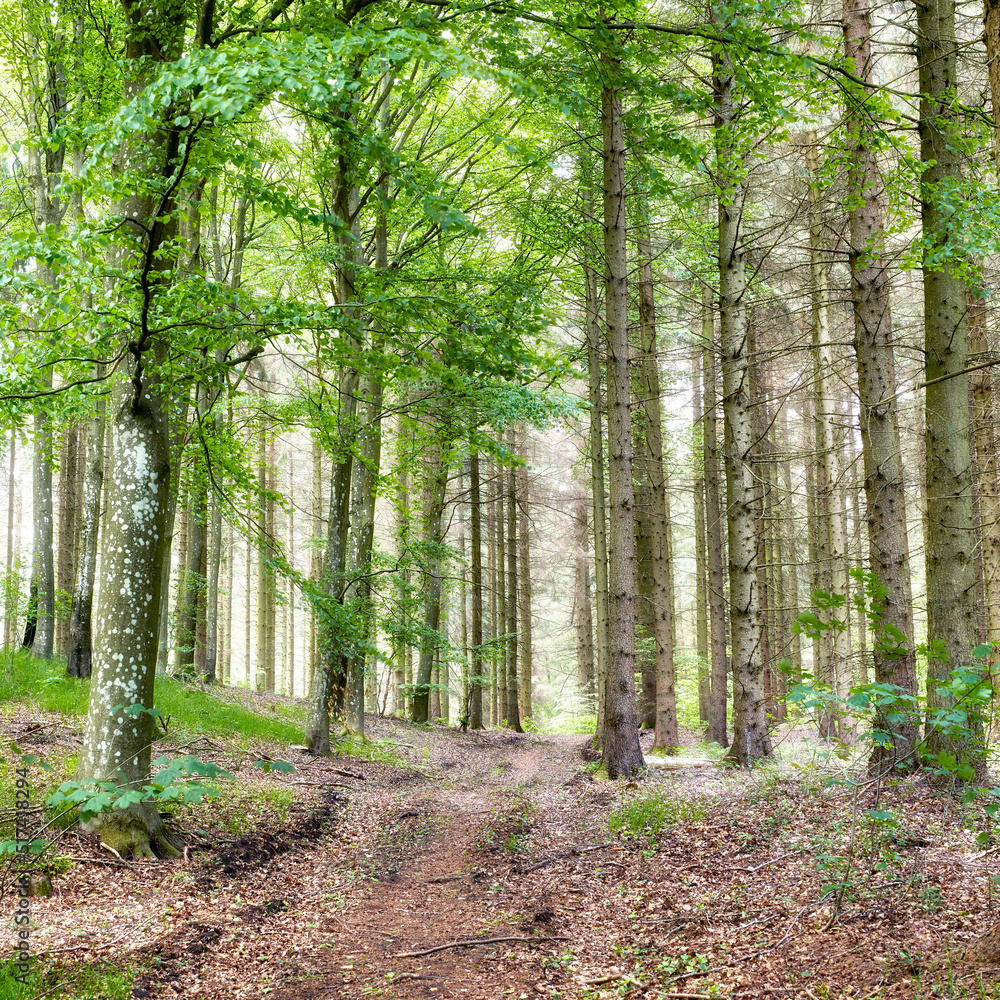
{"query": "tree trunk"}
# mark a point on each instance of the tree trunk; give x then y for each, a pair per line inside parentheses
(524, 582)
(10, 602)
(79, 656)
(210, 672)
(69, 515)
(950, 542)
(593, 329)
(830, 523)
(714, 524)
(117, 747)
(666, 737)
(622, 755)
(583, 611)
(700, 546)
(502, 618)
(476, 542)
(43, 572)
(359, 592)
(437, 481)
(893, 654)
(751, 740)
(513, 587)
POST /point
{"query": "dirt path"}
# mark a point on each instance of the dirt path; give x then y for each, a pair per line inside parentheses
(449, 872)
(495, 835)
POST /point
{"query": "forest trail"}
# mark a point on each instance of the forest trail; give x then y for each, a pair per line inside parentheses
(450, 874)
(316, 883)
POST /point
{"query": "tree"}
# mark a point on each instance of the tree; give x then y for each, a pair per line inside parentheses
(622, 755)
(950, 541)
(751, 741)
(885, 496)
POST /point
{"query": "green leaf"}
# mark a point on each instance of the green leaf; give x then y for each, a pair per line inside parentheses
(274, 765)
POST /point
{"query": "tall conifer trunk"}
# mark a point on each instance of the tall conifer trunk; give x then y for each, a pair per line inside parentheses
(476, 542)
(885, 498)
(714, 528)
(622, 755)
(950, 541)
(751, 740)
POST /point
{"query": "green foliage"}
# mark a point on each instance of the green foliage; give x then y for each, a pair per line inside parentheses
(101, 981)
(190, 708)
(652, 815)
(965, 690)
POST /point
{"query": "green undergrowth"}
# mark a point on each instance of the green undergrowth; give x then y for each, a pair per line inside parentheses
(59, 981)
(649, 815)
(191, 709)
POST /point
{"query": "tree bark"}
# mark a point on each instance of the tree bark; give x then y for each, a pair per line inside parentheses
(700, 545)
(602, 624)
(830, 523)
(513, 586)
(583, 611)
(524, 581)
(950, 542)
(69, 515)
(437, 480)
(476, 543)
(79, 652)
(894, 660)
(751, 741)
(622, 755)
(714, 524)
(666, 737)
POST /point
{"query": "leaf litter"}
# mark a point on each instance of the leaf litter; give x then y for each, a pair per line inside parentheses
(482, 865)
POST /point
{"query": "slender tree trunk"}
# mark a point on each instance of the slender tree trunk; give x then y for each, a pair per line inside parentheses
(476, 529)
(437, 473)
(645, 613)
(69, 513)
(359, 593)
(495, 584)
(714, 525)
(622, 755)
(503, 613)
(227, 637)
(79, 652)
(212, 594)
(830, 524)
(10, 617)
(43, 573)
(700, 547)
(583, 610)
(751, 740)
(664, 631)
(593, 329)
(513, 587)
(524, 582)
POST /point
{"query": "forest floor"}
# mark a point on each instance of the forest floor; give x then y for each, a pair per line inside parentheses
(341, 879)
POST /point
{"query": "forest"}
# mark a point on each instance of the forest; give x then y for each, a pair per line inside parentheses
(576, 414)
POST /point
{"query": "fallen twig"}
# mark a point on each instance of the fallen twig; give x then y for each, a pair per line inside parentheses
(320, 784)
(474, 942)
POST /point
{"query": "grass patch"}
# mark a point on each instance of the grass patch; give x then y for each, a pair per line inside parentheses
(652, 815)
(192, 709)
(63, 982)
